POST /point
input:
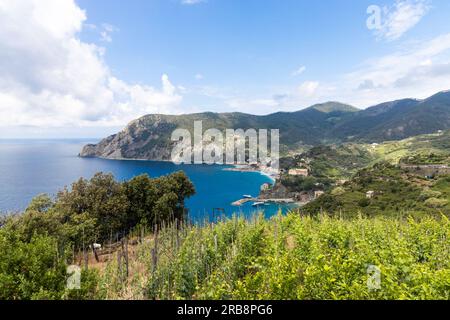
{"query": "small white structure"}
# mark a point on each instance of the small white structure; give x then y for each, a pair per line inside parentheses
(257, 204)
(95, 246)
(370, 194)
(74, 277)
(299, 172)
(265, 187)
(341, 182)
(317, 194)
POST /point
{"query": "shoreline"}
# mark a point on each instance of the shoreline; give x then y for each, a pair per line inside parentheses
(228, 167)
(247, 168)
(287, 201)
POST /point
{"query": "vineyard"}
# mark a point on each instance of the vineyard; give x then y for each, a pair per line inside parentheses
(289, 257)
(130, 241)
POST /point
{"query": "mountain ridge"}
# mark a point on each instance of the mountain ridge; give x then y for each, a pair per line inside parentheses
(148, 137)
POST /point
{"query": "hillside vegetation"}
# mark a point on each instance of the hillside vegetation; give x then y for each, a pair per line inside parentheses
(395, 191)
(149, 137)
(289, 257)
(437, 144)
(37, 245)
(396, 120)
(332, 122)
(332, 161)
(100, 208)
(342, 161)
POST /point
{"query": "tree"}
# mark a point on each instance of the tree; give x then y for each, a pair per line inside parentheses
(101, 198)
(152, 201)
(41, 203)
(141, 195)
(173, 190)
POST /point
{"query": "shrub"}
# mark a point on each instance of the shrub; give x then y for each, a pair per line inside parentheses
(364, 202)
(427, 193)
(30, 270)
(338, 191)
(436, 203)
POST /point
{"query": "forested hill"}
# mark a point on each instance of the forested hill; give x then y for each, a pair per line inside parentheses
(332, 122)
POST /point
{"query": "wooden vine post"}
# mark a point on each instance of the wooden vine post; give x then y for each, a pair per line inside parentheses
(155, 250)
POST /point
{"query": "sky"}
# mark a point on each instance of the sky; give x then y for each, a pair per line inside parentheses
(85, 68)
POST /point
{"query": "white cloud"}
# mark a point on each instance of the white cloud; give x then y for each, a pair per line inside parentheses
(401, 17)
(106, 32)
(308, 88)
(49, 77)
(299, 71)
(192, 2)
(199, 76)
(418, 70)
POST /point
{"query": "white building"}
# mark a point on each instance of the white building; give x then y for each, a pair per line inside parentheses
(299, 172)
(370, 194)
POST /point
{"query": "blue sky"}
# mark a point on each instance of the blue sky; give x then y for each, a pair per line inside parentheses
(117, 60)
(250, 46)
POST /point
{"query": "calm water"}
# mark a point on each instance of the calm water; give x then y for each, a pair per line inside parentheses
(29, 168)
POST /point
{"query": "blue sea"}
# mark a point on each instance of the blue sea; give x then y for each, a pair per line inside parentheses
(32, 167)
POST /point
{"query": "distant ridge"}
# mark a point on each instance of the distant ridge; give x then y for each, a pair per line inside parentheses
(397, 120)
(332, 122)
(333, 106)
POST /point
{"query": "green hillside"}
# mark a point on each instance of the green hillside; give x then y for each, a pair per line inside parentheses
(327, 250)
(328, 123)
(149, 136)
(342, 161)
(290, 257)
(333, 106)
(397, 120)
(395, 191)
(293, 257)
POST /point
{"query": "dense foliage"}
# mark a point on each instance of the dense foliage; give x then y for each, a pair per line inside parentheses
(317, 256)
(96, 209)
(291, 257)
(37, 245)
(395, 191)
(343, 161)
(426, 159)
(299, 183)
(30, 270)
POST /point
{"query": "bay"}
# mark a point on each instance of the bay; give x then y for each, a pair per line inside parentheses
(32, 167)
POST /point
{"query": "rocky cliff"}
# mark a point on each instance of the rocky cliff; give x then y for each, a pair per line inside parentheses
(146, 138)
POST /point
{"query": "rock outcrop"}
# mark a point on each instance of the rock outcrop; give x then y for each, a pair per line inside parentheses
(146, 138)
